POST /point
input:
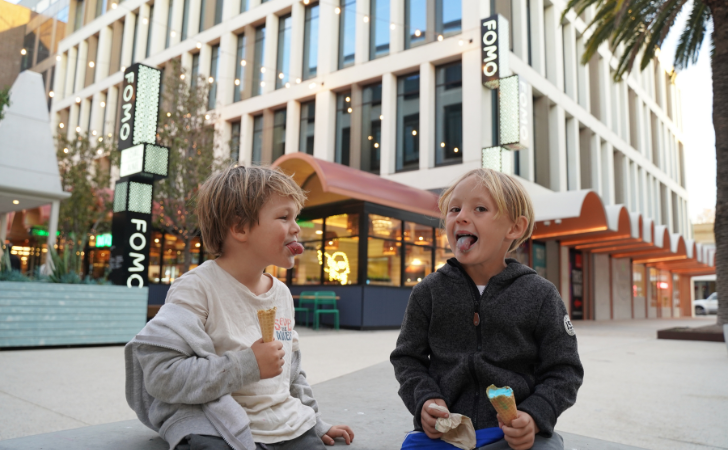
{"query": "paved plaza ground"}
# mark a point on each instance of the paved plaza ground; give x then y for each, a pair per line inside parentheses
(639, 391)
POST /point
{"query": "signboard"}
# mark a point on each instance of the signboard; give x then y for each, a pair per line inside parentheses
(129, 261)
(494, 49)
(515, 113)
(145, 159)
(139, 106)
(497, 158)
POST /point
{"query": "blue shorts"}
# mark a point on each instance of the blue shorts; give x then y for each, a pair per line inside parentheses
(419, 440)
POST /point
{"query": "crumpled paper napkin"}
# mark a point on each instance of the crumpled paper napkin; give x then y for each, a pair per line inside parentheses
(458, 429)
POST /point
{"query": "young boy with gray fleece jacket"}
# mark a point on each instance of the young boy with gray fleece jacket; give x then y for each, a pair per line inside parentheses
(482, 319)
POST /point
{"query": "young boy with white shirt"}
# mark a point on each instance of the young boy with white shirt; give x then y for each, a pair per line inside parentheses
(199, 373)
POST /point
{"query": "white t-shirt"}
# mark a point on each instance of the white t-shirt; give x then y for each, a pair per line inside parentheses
(481, 288)
(228, 310)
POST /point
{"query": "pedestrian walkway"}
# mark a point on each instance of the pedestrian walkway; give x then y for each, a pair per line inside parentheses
(675, 391)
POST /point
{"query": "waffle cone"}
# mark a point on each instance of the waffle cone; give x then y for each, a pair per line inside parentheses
(505, 405)
(267, 319)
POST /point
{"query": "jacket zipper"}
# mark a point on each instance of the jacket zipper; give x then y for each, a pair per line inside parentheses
(479, 339)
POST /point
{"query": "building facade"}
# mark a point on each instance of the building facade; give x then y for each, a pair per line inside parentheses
(394, 88)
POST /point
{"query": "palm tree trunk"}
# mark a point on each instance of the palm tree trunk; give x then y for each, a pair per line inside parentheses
(719, 65)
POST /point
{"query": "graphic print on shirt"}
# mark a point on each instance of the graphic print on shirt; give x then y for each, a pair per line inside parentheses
(283, 328)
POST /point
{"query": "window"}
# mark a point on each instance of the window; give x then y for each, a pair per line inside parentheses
(134, 39)
(284, 51)
(408, 122)
(169, 26)
(415, 12)
(448, 114)
(341, 249)
(218, 11)
(310, 42)
(379, 28)
(371, 128)
(449, 17)
(308, 267)
(149, 32)
(235, 141)
(214, 63)
(447, 20)
(308, 122)
(347, 33)
(195, 69)
(61, 21)
(343, 128)
(78, 19)
(29, 47)
(257, 139)
(45, 38)
(185, 18)
(259, 63)
(279, 133)
(384, 255)
(100, 7)
(240, 69)
(417, 264)
(243, 5)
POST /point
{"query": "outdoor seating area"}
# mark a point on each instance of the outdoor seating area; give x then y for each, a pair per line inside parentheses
(324, 302)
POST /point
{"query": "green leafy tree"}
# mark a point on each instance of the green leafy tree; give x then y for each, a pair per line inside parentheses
(640, 26)
(4, 101)
(186, 128)
(83, 164)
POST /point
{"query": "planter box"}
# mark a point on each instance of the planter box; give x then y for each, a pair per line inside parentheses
(46, 314)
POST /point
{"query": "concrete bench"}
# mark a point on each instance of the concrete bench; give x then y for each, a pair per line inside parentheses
(366, 400)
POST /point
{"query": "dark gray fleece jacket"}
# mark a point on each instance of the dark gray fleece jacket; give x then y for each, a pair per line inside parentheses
(524, 340)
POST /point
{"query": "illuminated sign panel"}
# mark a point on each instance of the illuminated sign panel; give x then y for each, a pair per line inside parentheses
(139, 106)
(497, 158)
(494, 49)
(515, 106)
(145, 159)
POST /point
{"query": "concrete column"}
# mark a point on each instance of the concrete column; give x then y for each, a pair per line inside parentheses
(605, 81)
(293, 125)
(298, 20)
(473, 11)
(388, 145)
(71, 64)
(355, 135)
(193, 19)
(226, 70)
(557, 149)
(271, 51)
(573, 162)
(85, 115)
(396, 25)
(104, 52)
(607, 173)
(159, 30)
(142, 32)
(328, 40)
(477, 111)
(177, 18)
(325, 142)
(538, 43)
(59, 82)
(3, 230)
(519, 27)
(97, 114)
(427, 116)
(230, 8)
(554, 46)
(128, 43)
(624, 111)
(72, 121)
(246, 139)
(582, 76)
(592, 154)
(363, 26)
(81, 66)
(112, 97)
(53, 225)
(571, 61)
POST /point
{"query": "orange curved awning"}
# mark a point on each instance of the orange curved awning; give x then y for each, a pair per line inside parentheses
(327, 182)
(620, 232)
(571, 213)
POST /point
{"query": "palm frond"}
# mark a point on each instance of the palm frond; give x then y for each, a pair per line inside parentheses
(691, 39)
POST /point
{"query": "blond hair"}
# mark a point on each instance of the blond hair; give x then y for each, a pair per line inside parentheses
(509, 194)
(235, 196)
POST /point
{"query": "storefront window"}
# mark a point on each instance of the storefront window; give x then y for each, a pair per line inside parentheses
(638, 280)
(173, 263)
(344, 108)
(441, 256)
(342, 225)
(385, 227)
(653, 288)
(384, 262)
(417, 234)
(155, 251)
(417, 264)
(307, 267)
(664, 289)
(341, 260)
(311, 230)
(278, 272)
(522, 254)
(98, 262)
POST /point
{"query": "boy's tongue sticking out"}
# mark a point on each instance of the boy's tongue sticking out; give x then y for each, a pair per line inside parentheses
(295, 248)
(465, 242)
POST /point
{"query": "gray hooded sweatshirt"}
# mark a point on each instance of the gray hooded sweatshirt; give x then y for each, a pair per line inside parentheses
(178, 386)
(523, 339)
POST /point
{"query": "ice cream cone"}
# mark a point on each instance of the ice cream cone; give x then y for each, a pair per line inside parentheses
(267, 319)
(504, 402)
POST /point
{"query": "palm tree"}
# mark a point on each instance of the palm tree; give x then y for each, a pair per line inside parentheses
(638, 28)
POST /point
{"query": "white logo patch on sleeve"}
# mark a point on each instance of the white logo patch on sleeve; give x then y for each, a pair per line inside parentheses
(569, 327)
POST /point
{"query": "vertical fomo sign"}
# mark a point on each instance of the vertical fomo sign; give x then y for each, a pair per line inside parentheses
(494, 49)
(142, 161)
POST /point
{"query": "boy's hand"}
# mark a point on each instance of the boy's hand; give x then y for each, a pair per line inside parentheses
(269, 357)
(522, 432)
(429, 417)
(338, 431)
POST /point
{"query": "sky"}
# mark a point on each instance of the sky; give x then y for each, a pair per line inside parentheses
(695, 84)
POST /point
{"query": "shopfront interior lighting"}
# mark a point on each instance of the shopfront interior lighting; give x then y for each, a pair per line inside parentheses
(319, 232)
(197, 245)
